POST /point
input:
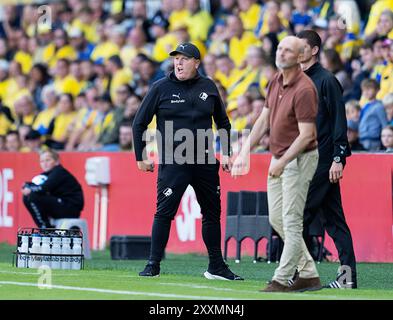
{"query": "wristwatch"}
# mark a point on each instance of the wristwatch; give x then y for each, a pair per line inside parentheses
(337, 159)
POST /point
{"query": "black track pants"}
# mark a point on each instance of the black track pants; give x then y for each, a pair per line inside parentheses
(326, 197)
(43, 206)
(172, 182)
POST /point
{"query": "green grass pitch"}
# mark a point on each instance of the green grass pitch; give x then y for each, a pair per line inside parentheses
(181, 279)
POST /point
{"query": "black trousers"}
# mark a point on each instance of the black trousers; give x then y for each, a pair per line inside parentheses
(42, 207)
(325, 197)
(172, 182)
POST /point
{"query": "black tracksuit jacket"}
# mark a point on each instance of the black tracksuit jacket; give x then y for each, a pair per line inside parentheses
(61, 184)
(189, 104)
(331, 119)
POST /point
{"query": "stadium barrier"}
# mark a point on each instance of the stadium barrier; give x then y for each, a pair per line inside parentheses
(366, 192)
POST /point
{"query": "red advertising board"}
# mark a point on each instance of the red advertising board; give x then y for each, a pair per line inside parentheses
(366, 192)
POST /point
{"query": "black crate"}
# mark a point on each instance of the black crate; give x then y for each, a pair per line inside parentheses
(130, 247)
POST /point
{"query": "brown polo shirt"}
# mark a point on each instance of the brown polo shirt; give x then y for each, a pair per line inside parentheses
(290, 104)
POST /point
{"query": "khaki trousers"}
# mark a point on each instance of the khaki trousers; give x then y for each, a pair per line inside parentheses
(287, 196)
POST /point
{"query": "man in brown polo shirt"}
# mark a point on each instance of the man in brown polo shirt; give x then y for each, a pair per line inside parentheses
(290, 114)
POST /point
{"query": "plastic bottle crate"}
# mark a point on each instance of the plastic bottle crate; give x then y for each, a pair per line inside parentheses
(54, 248)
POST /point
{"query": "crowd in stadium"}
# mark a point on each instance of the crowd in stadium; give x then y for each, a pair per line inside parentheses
(75, 83)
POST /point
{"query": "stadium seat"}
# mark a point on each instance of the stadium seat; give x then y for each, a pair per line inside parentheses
(80, 224)
(317, 229)
(264, 229)
(247, 217)
(232, 220)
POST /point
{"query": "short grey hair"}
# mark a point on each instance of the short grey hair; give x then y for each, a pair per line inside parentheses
(53, 154)
(388, 99)
(47, 89)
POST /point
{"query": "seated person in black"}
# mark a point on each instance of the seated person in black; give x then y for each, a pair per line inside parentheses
(55, 193)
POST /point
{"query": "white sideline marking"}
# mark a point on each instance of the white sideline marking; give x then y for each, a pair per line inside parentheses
(259, 295)
(133, 293)
(14, 272)
(196, 286)
(70, 274)
(36, 273)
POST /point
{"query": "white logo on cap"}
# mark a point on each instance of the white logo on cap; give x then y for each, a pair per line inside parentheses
(183, 46)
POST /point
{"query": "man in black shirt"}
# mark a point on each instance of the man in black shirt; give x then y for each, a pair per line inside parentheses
(55, 193)
(184, 104)
(333, 147)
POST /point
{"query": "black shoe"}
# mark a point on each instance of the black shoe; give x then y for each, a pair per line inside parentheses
(341, 283)
(151, 270)
(221, 274)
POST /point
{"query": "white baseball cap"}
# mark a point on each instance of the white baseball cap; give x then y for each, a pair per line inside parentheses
(4, 65)
(75, 33)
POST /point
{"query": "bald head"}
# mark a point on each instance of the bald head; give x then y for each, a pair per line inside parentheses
(289, 52)
(293, 42)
